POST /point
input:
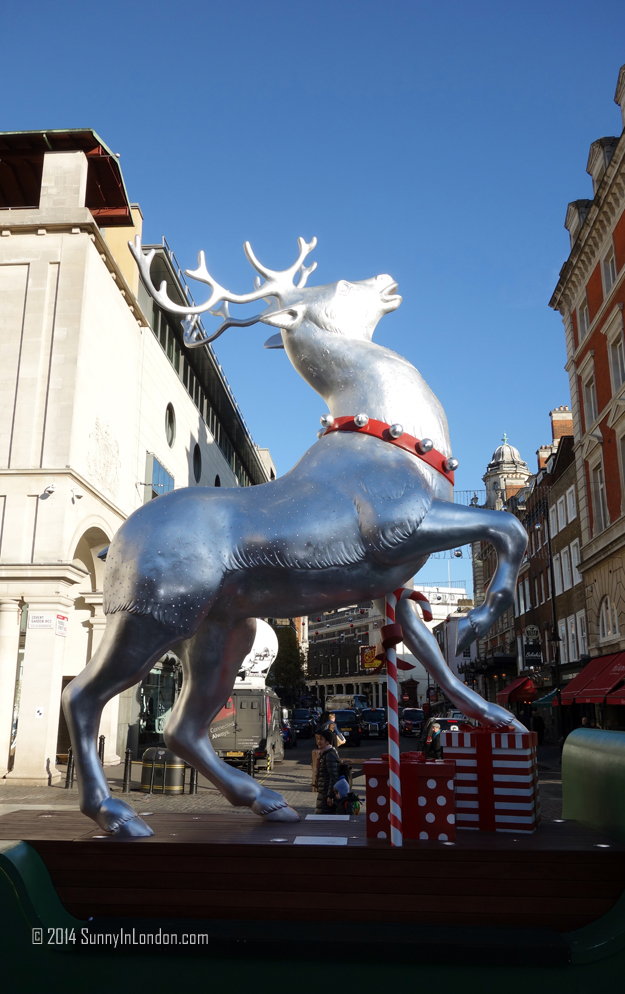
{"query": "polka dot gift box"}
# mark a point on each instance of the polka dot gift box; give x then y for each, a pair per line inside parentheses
(428, 809)
(496, 780)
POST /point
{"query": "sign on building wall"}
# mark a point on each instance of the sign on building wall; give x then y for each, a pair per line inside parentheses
(533, 654)
(367, 657)
(50, 622)
(41, 621)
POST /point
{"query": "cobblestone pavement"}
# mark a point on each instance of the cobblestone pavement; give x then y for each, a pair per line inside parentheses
(292, 779)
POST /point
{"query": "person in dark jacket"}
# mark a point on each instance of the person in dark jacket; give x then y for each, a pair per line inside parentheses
(433, 747)
(328, 772)
(538, 726)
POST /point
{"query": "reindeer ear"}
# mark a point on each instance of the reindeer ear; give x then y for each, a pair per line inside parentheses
(288, 318)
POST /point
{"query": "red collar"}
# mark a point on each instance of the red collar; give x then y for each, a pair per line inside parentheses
(380, 429)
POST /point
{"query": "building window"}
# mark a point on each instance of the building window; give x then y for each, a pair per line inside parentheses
(553, 521)
(217, 481)
(561, 514)
(557, 572)
(528, 596)
(617, 361)
(590, 401)
(583, 319)
(170, 425)
(564, 655)
(608, 620)
(581, 633)
(197, 463)
(542, 588)
(536, 594)
(571, 504)
(159, 481)
(572, 633)
(609, 271)
(575, 562)
(599, 499)
(567, 579)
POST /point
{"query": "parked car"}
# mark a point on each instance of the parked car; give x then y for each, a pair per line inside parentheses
(289, 734)
(411, 721)
(350, 725)
(303, 721)
(374, 723)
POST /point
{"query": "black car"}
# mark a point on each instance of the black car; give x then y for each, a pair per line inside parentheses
(303, 721)
(349, 724)
(411, 721)
(374, 723)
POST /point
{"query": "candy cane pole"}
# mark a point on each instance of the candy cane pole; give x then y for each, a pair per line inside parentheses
(391, 636)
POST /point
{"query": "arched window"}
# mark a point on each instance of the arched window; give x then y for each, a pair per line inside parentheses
(170, 425)
(608, 620)
(197, 463)
(217, 481)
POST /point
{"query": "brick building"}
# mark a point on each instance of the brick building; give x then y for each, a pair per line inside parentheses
(590, 296)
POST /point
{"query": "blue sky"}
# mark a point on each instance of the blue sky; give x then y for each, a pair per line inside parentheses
(439, 142)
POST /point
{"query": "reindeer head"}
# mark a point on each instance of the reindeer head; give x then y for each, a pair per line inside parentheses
(351, 310)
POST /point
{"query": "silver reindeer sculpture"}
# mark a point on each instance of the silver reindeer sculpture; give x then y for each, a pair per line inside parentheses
(355, 519)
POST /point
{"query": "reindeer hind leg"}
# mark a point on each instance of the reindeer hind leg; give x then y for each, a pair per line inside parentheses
(211, 661)
(131, 643)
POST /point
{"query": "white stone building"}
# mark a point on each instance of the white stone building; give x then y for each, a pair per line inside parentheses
(102, 409)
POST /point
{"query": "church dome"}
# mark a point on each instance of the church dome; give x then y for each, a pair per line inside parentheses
(505, 455)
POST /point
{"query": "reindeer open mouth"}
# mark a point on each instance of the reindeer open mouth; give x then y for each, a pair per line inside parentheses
(389, 295)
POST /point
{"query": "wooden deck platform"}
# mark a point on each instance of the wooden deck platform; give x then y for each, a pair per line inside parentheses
(235, 867)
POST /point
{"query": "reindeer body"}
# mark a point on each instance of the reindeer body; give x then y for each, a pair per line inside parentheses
(354, 519)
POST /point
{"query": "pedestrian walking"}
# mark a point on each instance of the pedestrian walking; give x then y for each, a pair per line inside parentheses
(538, 726)
(338, 739)
(328, 772)
(433, 747)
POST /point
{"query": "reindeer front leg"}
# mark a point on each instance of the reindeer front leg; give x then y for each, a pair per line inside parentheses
(448, 525)
(424, 647)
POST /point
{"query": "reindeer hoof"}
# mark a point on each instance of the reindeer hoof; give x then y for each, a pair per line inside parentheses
(272, 807)
(121, 821)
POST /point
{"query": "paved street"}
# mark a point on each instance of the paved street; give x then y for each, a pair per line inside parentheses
(292, 779)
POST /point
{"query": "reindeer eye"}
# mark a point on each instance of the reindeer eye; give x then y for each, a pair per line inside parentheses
(344, 287)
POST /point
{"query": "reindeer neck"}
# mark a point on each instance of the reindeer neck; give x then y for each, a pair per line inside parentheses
(361, 377)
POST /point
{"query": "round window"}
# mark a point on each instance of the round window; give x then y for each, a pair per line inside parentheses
(197, 463)
(170, 425)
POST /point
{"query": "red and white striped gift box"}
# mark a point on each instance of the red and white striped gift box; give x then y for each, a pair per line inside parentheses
(496, 780)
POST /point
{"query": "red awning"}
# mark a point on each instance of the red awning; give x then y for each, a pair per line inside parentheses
(604, 683)
(521, 689)
(593, 669)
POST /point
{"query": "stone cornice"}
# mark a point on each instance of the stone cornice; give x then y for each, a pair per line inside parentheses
(78, 220)
(66, 573)
(606, 207)
(67, 471)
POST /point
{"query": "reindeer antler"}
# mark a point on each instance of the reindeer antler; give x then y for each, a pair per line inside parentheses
(277, 283)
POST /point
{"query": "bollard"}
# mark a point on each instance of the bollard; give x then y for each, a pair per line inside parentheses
(193, 781)
(101, 748)
(127, 772)
(69, 775)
